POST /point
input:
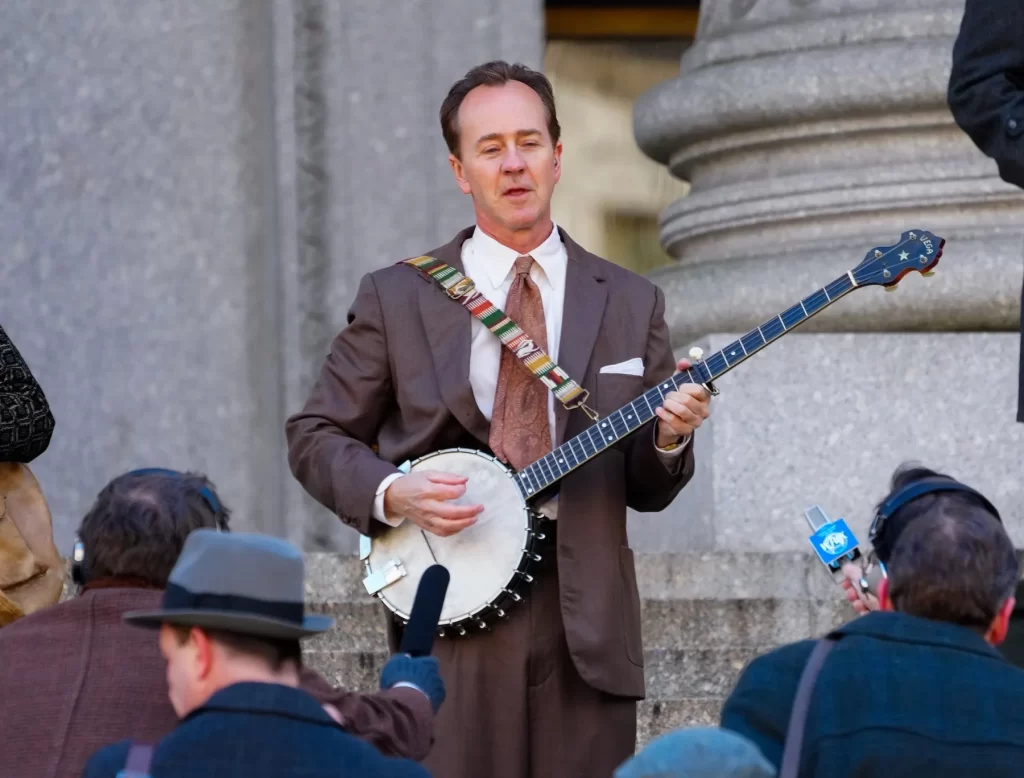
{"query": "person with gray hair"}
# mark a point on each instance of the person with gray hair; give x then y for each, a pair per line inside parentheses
(916, 688)
(698, 753)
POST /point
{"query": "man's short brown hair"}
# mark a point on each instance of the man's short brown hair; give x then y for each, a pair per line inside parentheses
(954, 565)
(496, 73)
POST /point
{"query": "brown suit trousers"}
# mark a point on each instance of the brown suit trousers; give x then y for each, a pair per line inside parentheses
(75, 677)
(396, 386)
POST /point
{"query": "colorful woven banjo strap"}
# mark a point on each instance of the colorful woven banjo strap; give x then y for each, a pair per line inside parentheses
(536, 360)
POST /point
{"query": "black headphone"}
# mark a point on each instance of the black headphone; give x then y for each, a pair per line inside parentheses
(79, 574)
(916, 489)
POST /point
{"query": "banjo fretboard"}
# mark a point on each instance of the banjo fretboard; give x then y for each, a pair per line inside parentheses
(608, 431)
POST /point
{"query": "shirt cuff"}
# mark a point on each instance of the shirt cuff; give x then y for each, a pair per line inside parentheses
(378, 501)
(409, 685)
(669, 456)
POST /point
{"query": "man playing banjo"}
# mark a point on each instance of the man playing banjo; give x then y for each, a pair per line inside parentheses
(550, 687)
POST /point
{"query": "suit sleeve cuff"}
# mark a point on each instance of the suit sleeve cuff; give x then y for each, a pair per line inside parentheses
(378, 502)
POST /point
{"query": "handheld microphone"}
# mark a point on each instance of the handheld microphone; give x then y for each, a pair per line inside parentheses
(418, 637)
(833, 541)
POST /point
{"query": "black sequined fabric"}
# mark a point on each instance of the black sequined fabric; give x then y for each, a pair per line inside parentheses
(26, 423)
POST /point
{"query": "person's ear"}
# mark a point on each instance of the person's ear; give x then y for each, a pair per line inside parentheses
(203, 650)
(1001, 623)
(884, 600)
(460, 173)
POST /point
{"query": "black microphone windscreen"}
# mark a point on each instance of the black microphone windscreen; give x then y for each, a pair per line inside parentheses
(418, 637)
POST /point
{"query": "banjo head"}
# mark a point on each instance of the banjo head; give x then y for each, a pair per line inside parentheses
(482, 559)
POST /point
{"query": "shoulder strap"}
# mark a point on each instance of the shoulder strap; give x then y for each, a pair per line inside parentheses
(463, 290)
(790, 767)
(140, 757)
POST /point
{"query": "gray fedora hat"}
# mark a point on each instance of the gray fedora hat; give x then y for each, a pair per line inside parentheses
(237, 582)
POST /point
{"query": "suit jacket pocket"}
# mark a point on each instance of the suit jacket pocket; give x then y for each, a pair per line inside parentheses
(632, 628)
(616, 389)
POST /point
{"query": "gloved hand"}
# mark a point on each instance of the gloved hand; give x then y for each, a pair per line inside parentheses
(423, 672)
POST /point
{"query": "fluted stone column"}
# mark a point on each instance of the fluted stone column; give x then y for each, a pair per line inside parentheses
(812, 131)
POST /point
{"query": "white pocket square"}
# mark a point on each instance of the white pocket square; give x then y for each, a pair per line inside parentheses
(634, 366)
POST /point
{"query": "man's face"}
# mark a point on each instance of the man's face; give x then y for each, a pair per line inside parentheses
(184, 684)
(507, 161)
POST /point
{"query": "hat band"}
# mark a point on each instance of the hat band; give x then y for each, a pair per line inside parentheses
(179, 598)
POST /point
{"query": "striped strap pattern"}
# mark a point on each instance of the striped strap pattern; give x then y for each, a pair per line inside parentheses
(536, 360)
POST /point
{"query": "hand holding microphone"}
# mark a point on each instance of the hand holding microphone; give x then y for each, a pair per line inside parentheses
(412, 665)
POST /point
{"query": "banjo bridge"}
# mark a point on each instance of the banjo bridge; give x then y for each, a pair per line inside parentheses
(377, 581)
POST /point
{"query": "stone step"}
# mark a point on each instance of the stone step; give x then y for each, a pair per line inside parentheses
(671, 674)
(332, 578)
(655, 717)
(698, 623)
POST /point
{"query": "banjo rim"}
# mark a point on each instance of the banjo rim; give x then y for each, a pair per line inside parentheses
(509, 589)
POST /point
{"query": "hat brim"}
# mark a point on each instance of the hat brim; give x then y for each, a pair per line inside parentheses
(232, 621)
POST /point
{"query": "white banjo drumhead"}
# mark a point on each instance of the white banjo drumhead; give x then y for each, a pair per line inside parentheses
(481, 559)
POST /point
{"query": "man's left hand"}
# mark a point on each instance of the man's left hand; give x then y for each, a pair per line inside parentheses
(683, 411)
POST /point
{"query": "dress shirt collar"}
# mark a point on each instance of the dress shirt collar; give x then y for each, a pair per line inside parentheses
(498, 259)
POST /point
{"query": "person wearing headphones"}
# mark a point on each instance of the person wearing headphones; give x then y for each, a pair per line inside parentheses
(917, 687)
(914, 489)
(74, 677)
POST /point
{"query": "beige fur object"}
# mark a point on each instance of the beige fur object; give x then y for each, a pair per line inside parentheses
(31, 571)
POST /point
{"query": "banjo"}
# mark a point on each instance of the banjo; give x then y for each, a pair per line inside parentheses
(490, 562)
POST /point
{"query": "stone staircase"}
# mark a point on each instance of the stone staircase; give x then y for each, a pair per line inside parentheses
(705, 615)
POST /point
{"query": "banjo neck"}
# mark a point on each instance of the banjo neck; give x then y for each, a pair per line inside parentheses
(606, 432)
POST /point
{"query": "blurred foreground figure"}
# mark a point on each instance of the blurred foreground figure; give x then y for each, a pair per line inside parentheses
(229, 625)
(986, 95)
(698, 753)
(31, 576)
(74, 677)
(915, 490)
(916, 688)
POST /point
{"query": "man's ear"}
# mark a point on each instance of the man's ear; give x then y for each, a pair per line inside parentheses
(884, 601)
(203, 648)
(460, 173)
(1001, 623)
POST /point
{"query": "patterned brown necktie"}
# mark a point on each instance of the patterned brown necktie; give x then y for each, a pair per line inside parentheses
(520, 433)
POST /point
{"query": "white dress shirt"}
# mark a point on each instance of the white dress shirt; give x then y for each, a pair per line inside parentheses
(491, 264)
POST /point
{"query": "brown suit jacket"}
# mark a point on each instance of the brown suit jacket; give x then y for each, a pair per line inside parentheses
(74, 678)
(398, 377)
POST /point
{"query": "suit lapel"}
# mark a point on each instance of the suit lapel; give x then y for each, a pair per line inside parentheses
(583, 308)
(447, 325)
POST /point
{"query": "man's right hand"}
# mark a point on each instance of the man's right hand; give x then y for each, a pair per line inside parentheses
(862, 602)
(423, 498)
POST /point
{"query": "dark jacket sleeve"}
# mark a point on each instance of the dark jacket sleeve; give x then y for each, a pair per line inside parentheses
(398, 722)
(107, 762)
(330, 439)
(650, 485)
(26, 423)
(760, 704)
(986, 84)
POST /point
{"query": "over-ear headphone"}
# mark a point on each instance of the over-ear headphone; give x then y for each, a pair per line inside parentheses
(79, 574)
(916, 489)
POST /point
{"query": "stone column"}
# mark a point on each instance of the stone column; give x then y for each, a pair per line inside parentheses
(812, 131)
(191, 192)
(364, 169)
